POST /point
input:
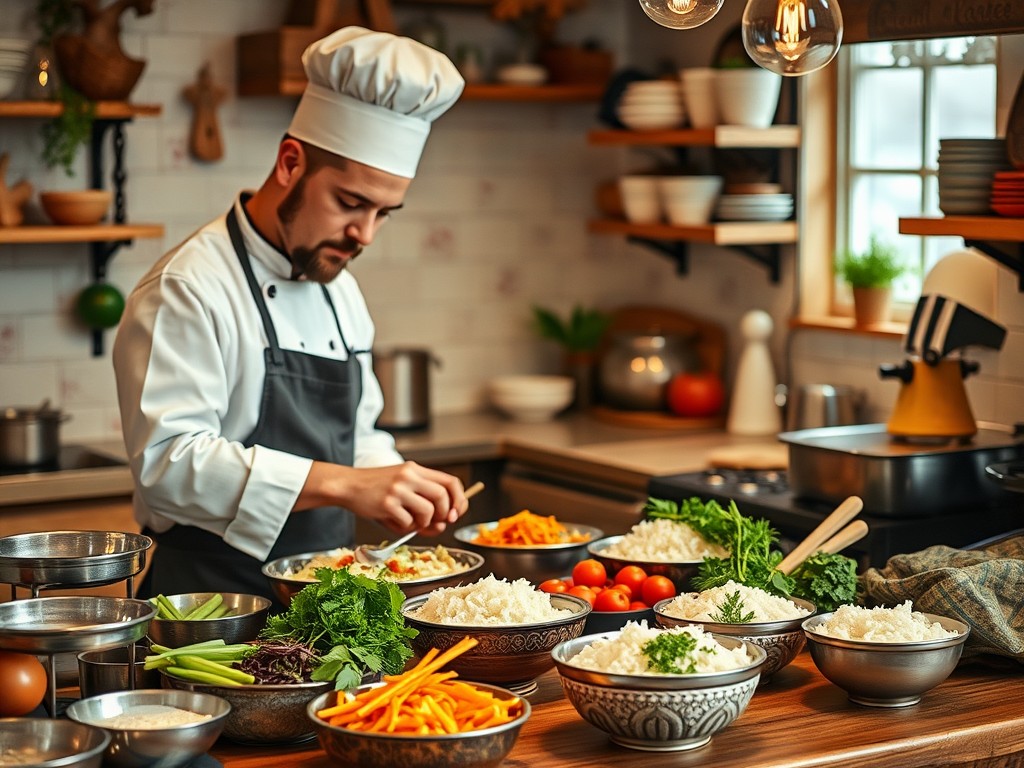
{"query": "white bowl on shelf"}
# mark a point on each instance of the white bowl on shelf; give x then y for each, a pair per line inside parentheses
(522, 74)
(689, 200)
(531, 398)
(641, 200)
(748, 96)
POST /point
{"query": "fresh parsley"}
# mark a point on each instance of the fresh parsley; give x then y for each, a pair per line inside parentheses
(353, 621)
(672, 653)
(731, 611)
(827, 580)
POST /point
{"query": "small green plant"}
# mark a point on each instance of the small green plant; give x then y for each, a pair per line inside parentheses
(581, 332)
(66, 133)
(876, 267)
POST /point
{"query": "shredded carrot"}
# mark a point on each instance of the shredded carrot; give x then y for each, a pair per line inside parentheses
(424, 700)
(525, 529)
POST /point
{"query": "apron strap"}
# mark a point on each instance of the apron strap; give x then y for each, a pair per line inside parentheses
(243, 257)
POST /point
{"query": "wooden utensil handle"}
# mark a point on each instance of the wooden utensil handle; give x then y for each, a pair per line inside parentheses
(854, 532)
(474, 489)
(845, 512)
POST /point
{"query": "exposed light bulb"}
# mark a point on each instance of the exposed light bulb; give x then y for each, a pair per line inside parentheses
(681, 14)
(792, 37)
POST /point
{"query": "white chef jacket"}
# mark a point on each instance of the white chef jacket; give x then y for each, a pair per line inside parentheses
(189, 363)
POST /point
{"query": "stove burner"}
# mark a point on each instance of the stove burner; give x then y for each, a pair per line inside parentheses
(749, 482)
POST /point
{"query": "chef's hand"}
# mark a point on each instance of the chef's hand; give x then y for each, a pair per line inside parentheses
(402, 498)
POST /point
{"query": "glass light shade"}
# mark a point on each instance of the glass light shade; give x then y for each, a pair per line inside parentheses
(792, 37)
(681, 14)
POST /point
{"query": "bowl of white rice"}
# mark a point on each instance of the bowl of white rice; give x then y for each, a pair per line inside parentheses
(661, 547)
(885, 657)
(657, 689)
(746, 613)
(516, 625)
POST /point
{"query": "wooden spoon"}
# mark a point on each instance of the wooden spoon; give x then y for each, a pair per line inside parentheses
(845, 512)
(376, 555)
(852, 533)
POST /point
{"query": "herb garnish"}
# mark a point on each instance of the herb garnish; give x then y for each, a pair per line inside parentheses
(731, 611)
(667, 652)
(826, 580)
(355, 622)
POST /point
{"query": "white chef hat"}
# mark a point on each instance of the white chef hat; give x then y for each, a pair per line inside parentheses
(371, 97)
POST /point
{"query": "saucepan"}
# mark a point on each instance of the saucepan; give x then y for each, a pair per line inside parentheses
(30, 436)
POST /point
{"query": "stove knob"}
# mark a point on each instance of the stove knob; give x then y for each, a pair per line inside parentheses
(748, 488)
(715, 479)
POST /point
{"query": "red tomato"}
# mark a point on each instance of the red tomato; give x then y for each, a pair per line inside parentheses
(695, 394)
(657, 588)
(583, 592)
(553, 586)
(631, 576)
(589, 573)
(624, 589)
(638, 605)
(23, 682)
(611, 600)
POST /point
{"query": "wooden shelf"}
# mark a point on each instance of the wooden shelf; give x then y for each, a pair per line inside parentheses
(888, 330)
(74, 234)
(773, 137)
(968, 227)
(719, 233)
(477, 92)
(105, 110)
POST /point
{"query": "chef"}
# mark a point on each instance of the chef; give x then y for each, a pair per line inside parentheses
(244, 377)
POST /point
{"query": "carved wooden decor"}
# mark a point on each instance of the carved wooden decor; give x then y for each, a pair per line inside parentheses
(12, 199)
(204, 141)
(870, 20)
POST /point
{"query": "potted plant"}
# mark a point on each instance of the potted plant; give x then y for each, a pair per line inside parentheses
(579, 336)
(870, 274)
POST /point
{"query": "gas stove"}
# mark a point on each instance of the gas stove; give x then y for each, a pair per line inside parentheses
(767, 494)
(69, 457)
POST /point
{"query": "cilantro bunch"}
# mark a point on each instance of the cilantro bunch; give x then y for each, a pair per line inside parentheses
(353, 621)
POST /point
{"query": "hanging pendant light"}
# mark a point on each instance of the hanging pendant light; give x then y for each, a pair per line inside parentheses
(681, 14)
(792, 37)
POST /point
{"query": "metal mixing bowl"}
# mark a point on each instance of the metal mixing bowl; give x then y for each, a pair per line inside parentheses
(781, 640)
(510, 655)
(49, 743)
(72, 623)
(886, 674)
(658, 712)
(679, 573)
(249, 614)
(473, 749)
(535, 563)
(71, 558)
(106, 671)
(285, 586)
(168, 747)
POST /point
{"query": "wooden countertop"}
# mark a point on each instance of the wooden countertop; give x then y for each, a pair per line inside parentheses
(798, 720)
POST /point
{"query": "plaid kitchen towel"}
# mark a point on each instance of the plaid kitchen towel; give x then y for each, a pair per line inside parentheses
(983, 588)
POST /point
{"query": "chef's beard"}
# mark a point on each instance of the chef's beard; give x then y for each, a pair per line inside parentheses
(310, 262)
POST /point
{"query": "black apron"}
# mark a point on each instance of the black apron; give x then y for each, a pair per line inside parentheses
(308, 409)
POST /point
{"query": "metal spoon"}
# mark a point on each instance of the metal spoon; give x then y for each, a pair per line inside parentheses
(376, 555)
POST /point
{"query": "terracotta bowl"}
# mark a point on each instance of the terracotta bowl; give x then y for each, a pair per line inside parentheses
(79, 207)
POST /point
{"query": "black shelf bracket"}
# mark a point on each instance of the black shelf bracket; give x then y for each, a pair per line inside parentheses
(770, 256)
(1012, 261)
(677, 251)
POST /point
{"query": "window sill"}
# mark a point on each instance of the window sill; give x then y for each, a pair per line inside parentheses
(889, 330)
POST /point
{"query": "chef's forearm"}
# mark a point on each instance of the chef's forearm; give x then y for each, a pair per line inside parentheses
(327, 485)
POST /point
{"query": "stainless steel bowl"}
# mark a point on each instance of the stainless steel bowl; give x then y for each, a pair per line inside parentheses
(285, 586)
(262, 714)
(781, 640)
(885, 674)
(474, 749)
(510, 655)
(49, 743)
(64, 624)
(107, 671)
(167, 747)
(71, 558)
(536, 563)
(599, 622)
(679, 573)
(249, 615)
(658, 712)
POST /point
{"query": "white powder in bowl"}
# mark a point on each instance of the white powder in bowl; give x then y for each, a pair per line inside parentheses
(663, 541)
(707, 605)
(151, 717)
(489, 602)
(901, 624)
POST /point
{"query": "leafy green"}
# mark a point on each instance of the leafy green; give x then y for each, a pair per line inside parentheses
(876, 267)
(826, 580)
(581, 332)
(671, 653)
(70, 130)
(708, 518)
(355, 622)
(731, 611)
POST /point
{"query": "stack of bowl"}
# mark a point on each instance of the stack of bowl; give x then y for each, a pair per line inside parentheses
(689, 200)
(13, 55)
(652, 105)
(1008, 193)
(532, 398)
(754, 207)
(966, 170)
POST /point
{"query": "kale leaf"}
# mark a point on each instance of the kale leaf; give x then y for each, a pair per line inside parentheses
(826, 580)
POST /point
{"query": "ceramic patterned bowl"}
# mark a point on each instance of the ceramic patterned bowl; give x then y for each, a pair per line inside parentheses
(679, 573)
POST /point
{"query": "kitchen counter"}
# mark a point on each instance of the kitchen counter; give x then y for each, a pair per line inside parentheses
(574, 444)
(798, 720)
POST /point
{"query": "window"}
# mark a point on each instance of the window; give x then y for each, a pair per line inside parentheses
(896, 100)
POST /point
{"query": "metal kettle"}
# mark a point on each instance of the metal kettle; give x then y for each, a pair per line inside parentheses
(637, 367)
(404, 377)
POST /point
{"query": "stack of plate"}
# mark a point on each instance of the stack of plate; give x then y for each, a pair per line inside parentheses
(1008, 193)
(652, 105)
(966, 170)
(754, 207)
(13, 55)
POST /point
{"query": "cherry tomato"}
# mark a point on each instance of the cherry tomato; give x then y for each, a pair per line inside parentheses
(638, 605)
(583, 592)
(611, 600)
(553, 586)
(632, 576)
(624, 589)
(589, 573)
(23, 682)
(657, 588)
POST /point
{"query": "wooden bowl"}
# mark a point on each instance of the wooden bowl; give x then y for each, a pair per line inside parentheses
(79, 207)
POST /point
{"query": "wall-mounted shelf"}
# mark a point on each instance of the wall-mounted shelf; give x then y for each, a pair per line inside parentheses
(105, 110)
(72, 234)
(980, 232)
(255, 86)
(722, 136)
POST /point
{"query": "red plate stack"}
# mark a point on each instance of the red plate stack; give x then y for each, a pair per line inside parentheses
(1008, 193)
